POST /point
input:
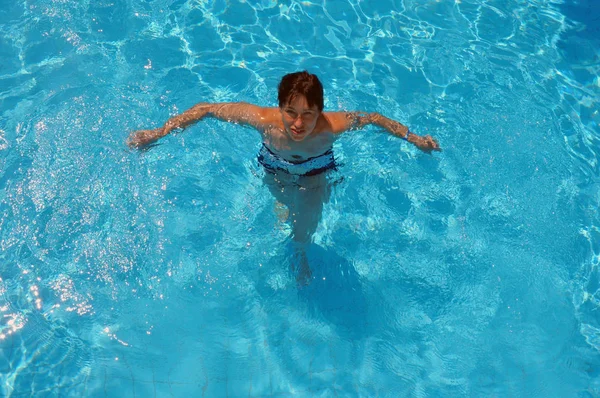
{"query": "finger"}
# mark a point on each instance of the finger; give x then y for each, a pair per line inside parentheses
(133, 144)
(130, 141)
(433, 145)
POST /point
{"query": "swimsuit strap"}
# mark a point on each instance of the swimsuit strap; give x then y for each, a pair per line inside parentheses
(329, 152)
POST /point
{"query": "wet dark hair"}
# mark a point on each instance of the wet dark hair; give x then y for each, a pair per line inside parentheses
(301, 83)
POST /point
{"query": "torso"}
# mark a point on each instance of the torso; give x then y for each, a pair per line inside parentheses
(276, 139)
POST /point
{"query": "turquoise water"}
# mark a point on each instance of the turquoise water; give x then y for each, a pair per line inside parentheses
(472, 272)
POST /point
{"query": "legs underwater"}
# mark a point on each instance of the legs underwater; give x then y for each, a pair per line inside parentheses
(304, 197)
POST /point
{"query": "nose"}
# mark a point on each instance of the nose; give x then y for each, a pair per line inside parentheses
(298, 122)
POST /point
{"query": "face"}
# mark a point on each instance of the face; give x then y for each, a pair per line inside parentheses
(299, 119)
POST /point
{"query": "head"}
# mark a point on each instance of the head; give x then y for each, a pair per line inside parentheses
(301, 103)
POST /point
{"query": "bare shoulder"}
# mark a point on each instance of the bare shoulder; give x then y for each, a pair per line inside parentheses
(243, 112)
(270, 114)
(267, 117)
(339, 122)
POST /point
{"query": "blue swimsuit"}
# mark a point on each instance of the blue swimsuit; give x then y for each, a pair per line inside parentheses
(309, 167)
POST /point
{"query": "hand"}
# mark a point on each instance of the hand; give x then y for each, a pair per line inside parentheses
(427, 144)
(141, 138)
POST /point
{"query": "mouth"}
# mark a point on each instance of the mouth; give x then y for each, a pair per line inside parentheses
(297, 132)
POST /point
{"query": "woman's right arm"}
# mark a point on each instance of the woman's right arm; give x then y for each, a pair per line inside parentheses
(234, 112)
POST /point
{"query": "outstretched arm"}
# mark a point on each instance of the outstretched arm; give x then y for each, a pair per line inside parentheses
(235, 112)
(344, 121)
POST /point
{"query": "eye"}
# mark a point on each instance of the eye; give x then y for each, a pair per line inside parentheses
(291, 113)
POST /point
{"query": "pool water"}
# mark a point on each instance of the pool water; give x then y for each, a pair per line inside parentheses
(166, 272)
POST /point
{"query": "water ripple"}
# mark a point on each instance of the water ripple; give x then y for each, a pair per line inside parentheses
(163, 272)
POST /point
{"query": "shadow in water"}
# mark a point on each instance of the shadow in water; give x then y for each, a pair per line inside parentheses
(579, 43)
(334, 291)
(585, 12)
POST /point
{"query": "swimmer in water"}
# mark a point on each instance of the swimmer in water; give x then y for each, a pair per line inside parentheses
(297, 144)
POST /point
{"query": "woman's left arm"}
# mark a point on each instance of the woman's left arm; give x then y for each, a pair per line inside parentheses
(344, 121)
